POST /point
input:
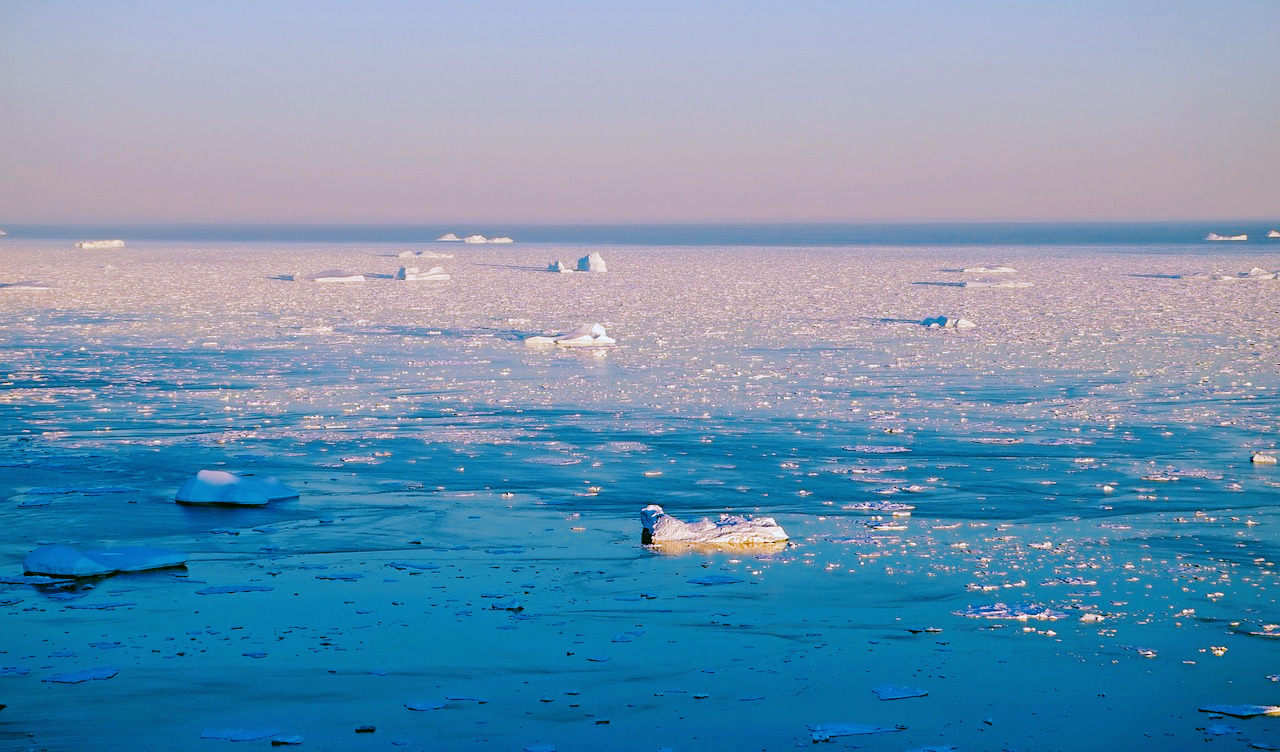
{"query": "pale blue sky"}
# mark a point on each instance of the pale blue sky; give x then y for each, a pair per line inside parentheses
(656, 111)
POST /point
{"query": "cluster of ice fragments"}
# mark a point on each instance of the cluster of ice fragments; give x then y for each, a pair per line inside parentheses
(98, 245)
(729, 530)
(587, 335)
(592, 262)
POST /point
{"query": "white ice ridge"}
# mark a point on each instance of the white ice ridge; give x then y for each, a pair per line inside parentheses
(990, 270)
(587, 335)
(97, 245)
(947, 322)
(329, 275)
(413, 273)
(65, 561)
(448, 237)
(1216, 236)
(427, 254)
(475, 239)
(222, 487)
(592, 262)
(730, 530)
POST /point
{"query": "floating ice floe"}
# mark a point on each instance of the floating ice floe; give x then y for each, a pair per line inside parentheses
(947, 322)
(990, 270)
(1016, 612)
(33, 285)
(222, 487)
(1242, 711)
(98, 673)
(501, 239)
(989, 283)
(240, 735)
(475, 239)
(587, 335)
(733, 530)
(559, 267)
(1262, 458)
(329, 276)
(426, 254)
(593, 262)
(414, 274)
(448, 237)
(97, 245)
(1216, 236)
(65, 561)
(890, 692)
(824, 732)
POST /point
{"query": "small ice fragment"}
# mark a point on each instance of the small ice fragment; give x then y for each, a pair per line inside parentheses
(423, 706)
(281, 741)
(1242, 711)
(592, 262)
(823, 732)
(587, 335)
(344, 576)
(660, 527)
(1221, 729)
(239, 735)
(420, 565)
(889, 692)
(224, 589)
(540, 748)
(89, 674)
(510, 604)
(222, 487)
(1018, 612)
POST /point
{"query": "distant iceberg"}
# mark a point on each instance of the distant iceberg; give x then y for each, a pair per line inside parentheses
(1216, 236)
(730, 530)
(1274, 234)
(501, 239)
(587, 335)
(222, 487)
(65, 561)
(97, 245)
(425, 254)
(330, 276)
(448, 237)
(413, 274)
(475, 239)
(947, 322)
(592, 263)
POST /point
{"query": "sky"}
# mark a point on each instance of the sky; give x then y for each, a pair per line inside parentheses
(655, 111)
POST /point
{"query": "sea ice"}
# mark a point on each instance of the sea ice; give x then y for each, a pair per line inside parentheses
(824, 732)
(475, 239)
(33, 285)
(228, 589)
(593, 262)
(239, 735)
(222, 487)
(329, 276)
(1006, 283)
(559, 267)
(587, 335)
(1216, 236)
(947, 322)
(97, 245)
(501, 239)
(97, 673)
(64, 561)
(448, 237)
(890, 692)
(1018, 612)
(1262, 458)
(427, 254)
(659, 527)
(1242, 711)
(990, 270)
(414, 274)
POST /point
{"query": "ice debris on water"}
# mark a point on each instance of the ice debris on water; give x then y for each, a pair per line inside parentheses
(587, 335)
(1242, 711)
(825, 732)
(226, 589)
(891, 692)
(660, 527)
(240, 735)
(1016, 612)
(65, 561)
(424, 706)
(222, 487)
(97, 673)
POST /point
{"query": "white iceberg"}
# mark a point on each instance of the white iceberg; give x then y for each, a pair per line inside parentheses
(947, 322)
(1262, 458)
(587, 335)
(731, 530)
(559, 267)
(65, 561)
(501, 239)
(97, 245)
(990, 270)
(475, 239)
(222, 487)
(425, 254)
(1274, 234)
(33, 285)
(593, 262)
(330, 276)
(414, 274)
(1216, 236)
(448, 237)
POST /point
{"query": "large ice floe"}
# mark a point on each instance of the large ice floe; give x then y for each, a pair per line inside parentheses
(329, 276)
(592, 262)
(947, 322)
(65, 561)
(222, 487)
(587, 335)
(414, 274)
(729, 530)
(98, 245)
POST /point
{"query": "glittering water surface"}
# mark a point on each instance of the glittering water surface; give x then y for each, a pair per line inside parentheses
(468, 525)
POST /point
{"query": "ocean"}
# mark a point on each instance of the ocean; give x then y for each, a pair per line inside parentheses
(1047, 531)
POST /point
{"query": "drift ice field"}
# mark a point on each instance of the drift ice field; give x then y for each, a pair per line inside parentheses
(1047, 531)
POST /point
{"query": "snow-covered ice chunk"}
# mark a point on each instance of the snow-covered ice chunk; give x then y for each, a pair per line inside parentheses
(330, 276)
(587, 335)
(448, 237)
(96, 673)
(823, 732)
(222, 487)
(414, 274)
(97, 245)
(660, 527)
(947, 322)
(1242, 711)
(64, 561)
(592, 262)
